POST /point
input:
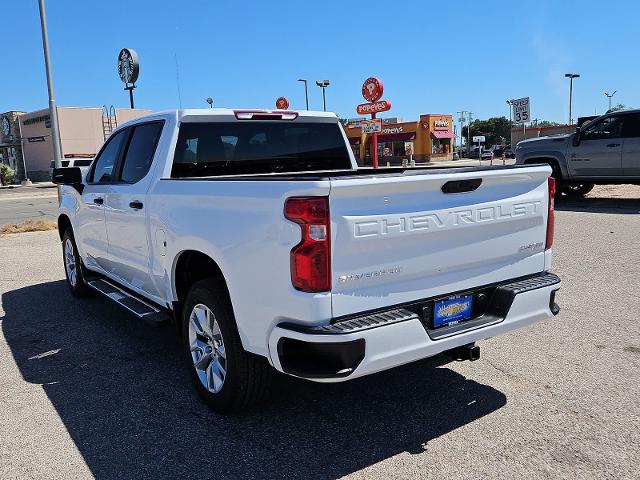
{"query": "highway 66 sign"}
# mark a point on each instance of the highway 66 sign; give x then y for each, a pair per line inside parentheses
(128, 65)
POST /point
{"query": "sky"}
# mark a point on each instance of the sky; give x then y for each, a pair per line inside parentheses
(433, 57)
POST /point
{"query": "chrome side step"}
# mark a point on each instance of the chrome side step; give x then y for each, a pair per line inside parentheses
(140, 308)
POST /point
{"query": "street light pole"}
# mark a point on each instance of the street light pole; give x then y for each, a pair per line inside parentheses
(510, 103)
(461, 120)
(323, 84)
(53, 112)
(306, 93)
(571, 76)
(609, 96)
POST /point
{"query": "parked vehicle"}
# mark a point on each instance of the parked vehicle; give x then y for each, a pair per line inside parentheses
(509, 153)
(83, 163)
(498, 150)
(603, 151)
(487, 155)
(256, 234)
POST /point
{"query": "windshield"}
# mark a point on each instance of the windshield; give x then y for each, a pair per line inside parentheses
(254, 147)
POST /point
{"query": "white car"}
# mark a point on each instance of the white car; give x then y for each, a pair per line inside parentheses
(82, 163)
(255, 233)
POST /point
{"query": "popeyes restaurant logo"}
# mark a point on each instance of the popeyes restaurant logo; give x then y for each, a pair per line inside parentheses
(441, 125)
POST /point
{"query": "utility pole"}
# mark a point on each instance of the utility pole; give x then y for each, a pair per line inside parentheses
(53, 112)
(571, 76)
(469, 132)
(609, 96)
(306, 93)
(461, 120)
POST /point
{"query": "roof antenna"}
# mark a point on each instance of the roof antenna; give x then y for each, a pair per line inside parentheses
(178, 81)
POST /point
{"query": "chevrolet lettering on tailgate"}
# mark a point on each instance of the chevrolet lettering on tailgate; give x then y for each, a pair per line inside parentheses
(400, 224)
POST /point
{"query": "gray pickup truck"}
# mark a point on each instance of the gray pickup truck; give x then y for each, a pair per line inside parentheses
(605, 150)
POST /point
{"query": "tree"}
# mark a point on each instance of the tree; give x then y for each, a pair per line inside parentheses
(6, 174)
(620, 106)
(546, 123)
(496, 130)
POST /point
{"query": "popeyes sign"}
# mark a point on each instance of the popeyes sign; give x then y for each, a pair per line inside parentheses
(372, 89)
(375, 107)
(282, 103)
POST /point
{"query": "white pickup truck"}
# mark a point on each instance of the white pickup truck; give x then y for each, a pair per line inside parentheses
(256, 233)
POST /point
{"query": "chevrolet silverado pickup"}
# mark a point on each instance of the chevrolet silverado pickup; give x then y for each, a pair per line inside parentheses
(605, 150)
(255, 232)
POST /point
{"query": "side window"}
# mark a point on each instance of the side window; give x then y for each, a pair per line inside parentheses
(139, 156)
(107, 159)
(631, 128)
(610, 127)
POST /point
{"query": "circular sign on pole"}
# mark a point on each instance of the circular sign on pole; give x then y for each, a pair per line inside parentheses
(372, 89)
(6, 126)
(128, 65)
(282, 103)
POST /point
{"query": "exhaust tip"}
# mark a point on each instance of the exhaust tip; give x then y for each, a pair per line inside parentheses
(469, 352)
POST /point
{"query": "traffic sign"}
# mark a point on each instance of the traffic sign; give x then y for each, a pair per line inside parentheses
(479, 139)
(521, 110)
(282, 103)
(371, 126)
(372, 89)
(375, 107)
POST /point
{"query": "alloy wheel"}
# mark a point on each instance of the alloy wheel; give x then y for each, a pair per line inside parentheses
(70, 262)
(207, 348)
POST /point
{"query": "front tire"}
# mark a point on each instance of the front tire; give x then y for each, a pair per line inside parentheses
(227, 378)
(73, 268)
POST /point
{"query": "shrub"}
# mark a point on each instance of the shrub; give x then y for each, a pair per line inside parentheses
(6, 174)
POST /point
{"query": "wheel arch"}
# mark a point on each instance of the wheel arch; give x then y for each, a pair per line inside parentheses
(189, 267)
(551, 160)
(64, 222)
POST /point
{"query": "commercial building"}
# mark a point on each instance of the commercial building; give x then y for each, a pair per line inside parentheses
(519, 133)
(83, 130)
(429, 139)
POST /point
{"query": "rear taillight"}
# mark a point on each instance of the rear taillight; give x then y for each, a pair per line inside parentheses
(551, 214)
(310, 259)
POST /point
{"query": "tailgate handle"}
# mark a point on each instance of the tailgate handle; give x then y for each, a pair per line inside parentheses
(460, 186)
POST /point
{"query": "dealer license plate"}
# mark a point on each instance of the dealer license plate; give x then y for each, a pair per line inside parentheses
(452, 310)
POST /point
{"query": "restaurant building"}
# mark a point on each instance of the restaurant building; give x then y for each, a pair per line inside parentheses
(430, 139)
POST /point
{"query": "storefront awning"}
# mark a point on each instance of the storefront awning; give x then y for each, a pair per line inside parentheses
(442, 134)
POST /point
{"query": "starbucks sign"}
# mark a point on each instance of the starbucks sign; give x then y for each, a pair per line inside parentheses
(128, 65)
(6, 126)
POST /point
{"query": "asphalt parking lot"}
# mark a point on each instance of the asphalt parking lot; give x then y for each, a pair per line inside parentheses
(87, 391)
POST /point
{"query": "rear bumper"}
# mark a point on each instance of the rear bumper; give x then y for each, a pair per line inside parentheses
(372, 343)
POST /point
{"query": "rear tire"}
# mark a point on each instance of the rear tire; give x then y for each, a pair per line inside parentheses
(227, 378)
(73, 268)
(577, 190)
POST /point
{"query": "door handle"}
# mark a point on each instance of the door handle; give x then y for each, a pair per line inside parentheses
(98, 201)
(612, 145)
(136, 205)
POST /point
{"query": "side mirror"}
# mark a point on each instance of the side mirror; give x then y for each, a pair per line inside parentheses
(576, 137)
(67, 176)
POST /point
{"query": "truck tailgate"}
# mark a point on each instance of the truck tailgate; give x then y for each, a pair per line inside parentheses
(397, 239)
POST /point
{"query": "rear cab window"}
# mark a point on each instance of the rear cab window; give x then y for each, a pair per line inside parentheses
(257, 147)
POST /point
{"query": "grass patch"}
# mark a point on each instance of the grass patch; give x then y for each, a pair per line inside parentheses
(28, 226)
